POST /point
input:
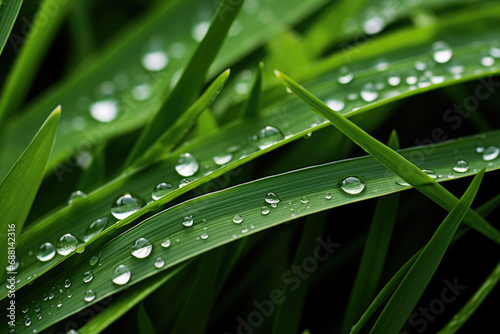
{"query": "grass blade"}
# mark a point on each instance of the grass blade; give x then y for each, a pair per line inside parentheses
(473, 304)
(374, 254)
(94, 175)
(144, 322)
(406, 296)
(254, 102)
(18, 189)
(8, 14)
(392, 160)
(192, 78)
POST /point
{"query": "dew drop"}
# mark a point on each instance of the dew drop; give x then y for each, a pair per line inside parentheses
(199, 31)
(141, 92)
(222, 159)
(304, 200)
(461, 166)
(204, 236)
(188, 221)
(121, 275)
(394, 80)
(273, 199)
(480, 149)
(67, 283)
(76, 195)
(95, 228)
(184, 182)
(487, 61)
(336, 105)
(345, 76)
(141, 248)
(88, 276)
(431, 173)
(125, 205)
(38, 308)
(66, 244)
(104, 111)
(155, 60)
(490, 153)
(373, 25)
(95, 259)
(187, 165)
(51, 296)
(27, 322)
(237, 219)
(494, 52)
(369, 94)
(352, 185)
(89, 295)
(159, 262)
(264, 210)
(328, 196)
(166, 243)
(25, 309)
(442, 52)
(268, 136)
(161, 190)
(245, 230)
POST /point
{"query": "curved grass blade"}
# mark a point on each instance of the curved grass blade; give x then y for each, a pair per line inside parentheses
(392, 160)
(32, 53)
(163, 146)
(374, 254)
(289, 312)
(144, 322)
(127, 300)
(8, 14)
(473, 304)
(215, 212)
(411, 288)
(192, 78)
(18, 189)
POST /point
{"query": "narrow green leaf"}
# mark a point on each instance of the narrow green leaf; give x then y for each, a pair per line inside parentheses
(127, 300)
(406, 296)
(253, 104)
(392, 160)
(473, 304)
(192, 78)
(94, 175)
(374, 254)
(144, 322)
(18, 189)
(32, 53)
(163, 146)
(8, 14)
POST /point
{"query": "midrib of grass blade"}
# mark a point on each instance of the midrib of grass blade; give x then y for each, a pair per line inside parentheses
(461, 317)
(127, 300)
(145, 326)
(18, 189)
(289, 312)
(8, 14)
(391, 159)
(374, 254)
(33, 50)
(192, 78)
(411, 288)
(163, 146)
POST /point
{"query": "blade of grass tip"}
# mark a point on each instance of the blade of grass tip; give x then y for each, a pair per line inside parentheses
(288, 313)
(94, 175)
(8, 11)
(253, 104)
(173, 135)
(144, 324)
(389, 288)
(192, 78)
(128, 299)
(374, 254)
(18, 189)
(406, 296)
(391, 159)
(201, 297)
(473, 304)
(32, 53)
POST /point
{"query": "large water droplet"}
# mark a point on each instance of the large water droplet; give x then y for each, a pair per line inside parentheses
(89, 295)
(345, 76)
(159, 262)
(352, 184)
(188, 221)
(264, 210)
(431, 173)
(394, 80)
(88, 276)
(66, 244)
(461, 166)
(75, 196)
(237, 219)
(336, 105)
(67, 283)
(494, 52)
(268, 136)
(442, 52)
(155, 60)
(222, 159)
(141, 248)
(161, 190)
(487, 61)
(304, 200)
(104, 111)
(490, 153)
(369, 93)
(328, 195)
(273, 199)
(121, 275)
(95, 228)
(27, 322)
(187, 165)
(166, 243)
(126, 204)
